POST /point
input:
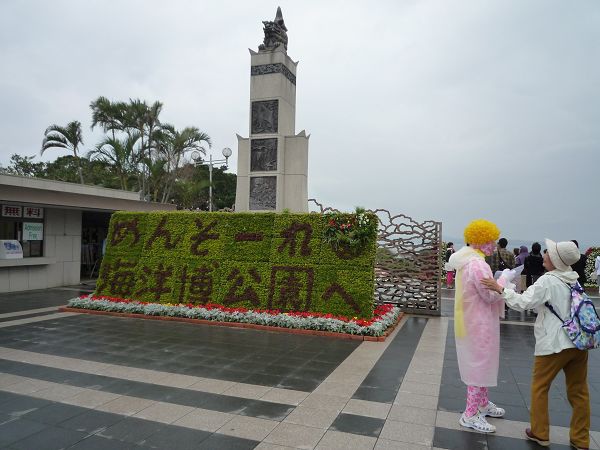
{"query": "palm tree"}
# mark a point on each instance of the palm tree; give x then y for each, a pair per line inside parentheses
(173, 145)
(152, 122)
(157, 173)
(119, 154)
(145, 120)
(191, 193)
(68, 137)
(110, 116)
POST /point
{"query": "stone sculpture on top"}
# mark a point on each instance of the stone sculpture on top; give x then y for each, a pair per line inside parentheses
(275, 33)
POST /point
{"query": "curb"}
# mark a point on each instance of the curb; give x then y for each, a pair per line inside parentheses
(239, 324)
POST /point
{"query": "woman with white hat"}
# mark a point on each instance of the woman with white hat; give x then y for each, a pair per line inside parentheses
(554, 351)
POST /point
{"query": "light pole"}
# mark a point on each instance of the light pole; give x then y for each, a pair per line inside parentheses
(197, 157)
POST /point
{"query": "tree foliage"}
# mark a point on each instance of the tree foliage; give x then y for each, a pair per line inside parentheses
(138, 152)
(68, 137)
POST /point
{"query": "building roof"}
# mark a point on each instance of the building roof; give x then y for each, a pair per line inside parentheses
(50, 193)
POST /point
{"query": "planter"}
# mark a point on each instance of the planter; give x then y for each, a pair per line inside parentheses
(385, 317)
(331, 334)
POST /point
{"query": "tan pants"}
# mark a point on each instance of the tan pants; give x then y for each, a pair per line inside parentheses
(574, 363)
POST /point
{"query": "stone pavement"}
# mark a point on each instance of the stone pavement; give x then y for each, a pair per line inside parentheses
(93, 382)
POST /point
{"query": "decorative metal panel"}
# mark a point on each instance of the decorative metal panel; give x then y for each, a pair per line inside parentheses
(408, 267)
(265, 69)
(263, 155)
(265, 115)
(263, 193)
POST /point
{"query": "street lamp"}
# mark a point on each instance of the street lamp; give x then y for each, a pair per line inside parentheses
(197, 157)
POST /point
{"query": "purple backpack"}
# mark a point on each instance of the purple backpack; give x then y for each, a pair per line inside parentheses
(583, 325)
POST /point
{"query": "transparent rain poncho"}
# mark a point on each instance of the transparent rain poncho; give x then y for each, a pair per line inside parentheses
(477, 313)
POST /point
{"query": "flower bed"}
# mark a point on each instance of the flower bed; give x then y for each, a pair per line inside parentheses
(385, 316)
(353, 232)
(591, 254)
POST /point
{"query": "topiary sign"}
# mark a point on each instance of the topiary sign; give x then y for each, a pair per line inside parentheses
(250, 260)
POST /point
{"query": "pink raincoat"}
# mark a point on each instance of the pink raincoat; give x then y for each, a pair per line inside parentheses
(477, 313)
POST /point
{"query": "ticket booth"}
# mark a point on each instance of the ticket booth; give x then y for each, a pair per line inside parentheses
(24, 224)
(52, 232)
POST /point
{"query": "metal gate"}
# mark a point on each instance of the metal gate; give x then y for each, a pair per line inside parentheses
(408, 266)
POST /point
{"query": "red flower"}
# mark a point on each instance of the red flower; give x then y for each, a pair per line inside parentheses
(378, 313)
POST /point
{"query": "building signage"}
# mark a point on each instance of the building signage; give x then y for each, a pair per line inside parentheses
(33, 231)
(10, 249)
(31, 212)
(12, 211)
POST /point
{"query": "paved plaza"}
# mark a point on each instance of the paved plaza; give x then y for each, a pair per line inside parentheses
(80, 381)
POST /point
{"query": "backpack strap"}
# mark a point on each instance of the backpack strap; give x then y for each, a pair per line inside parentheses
(549, 306)
(502, 260)
(500, 257)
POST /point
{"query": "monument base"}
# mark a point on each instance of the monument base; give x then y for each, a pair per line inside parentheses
(282, 189)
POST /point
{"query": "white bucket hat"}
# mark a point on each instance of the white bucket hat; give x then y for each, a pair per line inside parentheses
(562, 254)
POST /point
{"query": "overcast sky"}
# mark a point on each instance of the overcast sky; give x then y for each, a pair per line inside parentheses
(443, 110)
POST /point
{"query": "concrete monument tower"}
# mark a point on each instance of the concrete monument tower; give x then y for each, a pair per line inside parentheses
(273, 161)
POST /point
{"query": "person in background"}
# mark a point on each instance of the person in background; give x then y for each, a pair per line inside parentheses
(554, 350)
(449, 273)
(579, 266)
(477, 313)
(523, 253)
(597, 270)
(501, 259)
(534, 265)
(515, 253)
(519, 261)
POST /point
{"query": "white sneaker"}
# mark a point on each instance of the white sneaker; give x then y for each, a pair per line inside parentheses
(477, 422)
(491, 410)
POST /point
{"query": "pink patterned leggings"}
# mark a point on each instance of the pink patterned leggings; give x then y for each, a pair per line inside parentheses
(476, 396)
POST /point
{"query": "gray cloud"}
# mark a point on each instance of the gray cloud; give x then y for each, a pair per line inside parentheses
(440, 110)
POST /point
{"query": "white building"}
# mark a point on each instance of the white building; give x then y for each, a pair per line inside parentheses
(60, 227)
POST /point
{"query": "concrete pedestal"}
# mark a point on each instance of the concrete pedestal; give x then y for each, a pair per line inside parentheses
(273, 161)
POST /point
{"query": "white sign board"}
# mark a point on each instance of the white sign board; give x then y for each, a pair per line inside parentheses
(33, 212)
(33, 231)
(12, 211)
(10, 249)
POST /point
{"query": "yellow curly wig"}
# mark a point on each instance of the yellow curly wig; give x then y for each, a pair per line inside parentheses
(481, 231)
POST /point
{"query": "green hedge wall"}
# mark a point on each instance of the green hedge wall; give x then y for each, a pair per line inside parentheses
(251, 260)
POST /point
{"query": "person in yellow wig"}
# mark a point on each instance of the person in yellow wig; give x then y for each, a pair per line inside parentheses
(477, 313)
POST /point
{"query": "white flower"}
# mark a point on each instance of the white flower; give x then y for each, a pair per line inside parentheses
(258, 318)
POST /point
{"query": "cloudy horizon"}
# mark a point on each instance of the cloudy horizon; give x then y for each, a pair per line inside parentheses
(440, 110)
